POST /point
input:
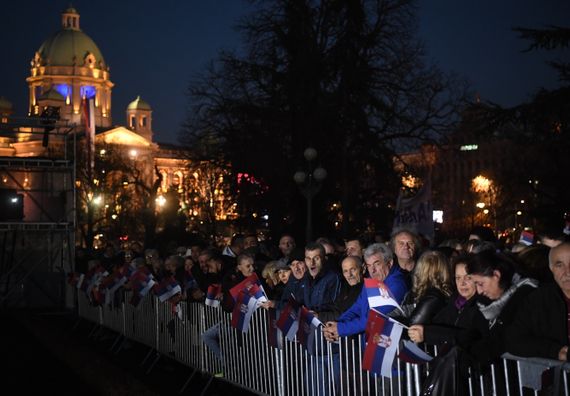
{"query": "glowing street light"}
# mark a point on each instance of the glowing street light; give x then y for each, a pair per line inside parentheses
(481, 184)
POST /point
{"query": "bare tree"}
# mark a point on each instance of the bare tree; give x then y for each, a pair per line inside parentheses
(347, 77)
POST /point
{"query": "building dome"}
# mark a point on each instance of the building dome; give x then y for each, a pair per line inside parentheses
(138, 104)
(70, 46)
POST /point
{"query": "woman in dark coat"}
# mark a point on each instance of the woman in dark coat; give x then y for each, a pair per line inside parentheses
(460, 321)
(431, 288)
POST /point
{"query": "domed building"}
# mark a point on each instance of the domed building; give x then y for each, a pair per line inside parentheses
(70, 63)
(117, 166)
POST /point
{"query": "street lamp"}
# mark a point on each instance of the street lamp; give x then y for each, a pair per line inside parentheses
(309, 183)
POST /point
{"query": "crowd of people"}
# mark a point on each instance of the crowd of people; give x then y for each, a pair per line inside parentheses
(470, 298)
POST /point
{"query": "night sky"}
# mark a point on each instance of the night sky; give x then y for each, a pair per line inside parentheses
(155, 48)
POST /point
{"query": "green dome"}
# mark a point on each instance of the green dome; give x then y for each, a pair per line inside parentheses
(138, 104)
(68, 47)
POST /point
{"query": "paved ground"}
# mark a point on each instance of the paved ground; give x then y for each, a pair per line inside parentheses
(51, 352)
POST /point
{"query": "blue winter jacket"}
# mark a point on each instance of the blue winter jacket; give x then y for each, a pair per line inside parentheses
(320, 292)
(353, 320)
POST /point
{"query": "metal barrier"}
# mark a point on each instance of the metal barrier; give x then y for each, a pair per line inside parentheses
(249, 361)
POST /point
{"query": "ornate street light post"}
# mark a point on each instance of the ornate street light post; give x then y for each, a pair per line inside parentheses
(309, 183)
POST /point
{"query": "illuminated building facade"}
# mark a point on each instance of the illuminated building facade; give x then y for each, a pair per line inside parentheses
(68, 69)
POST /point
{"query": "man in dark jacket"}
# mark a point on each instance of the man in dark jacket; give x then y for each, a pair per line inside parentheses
(322, 285)
(540, 328)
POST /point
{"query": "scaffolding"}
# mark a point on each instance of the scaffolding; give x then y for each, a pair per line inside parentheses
(37, 210)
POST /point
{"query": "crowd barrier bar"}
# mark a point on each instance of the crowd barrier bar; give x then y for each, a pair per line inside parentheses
(248, 361)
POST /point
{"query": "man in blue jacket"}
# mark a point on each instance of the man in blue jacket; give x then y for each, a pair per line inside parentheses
(322, 285)
(379, 262)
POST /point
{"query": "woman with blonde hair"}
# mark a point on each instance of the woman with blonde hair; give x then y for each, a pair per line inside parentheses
(431, 289)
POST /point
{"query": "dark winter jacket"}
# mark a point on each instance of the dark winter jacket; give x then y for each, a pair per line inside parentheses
(540, 328)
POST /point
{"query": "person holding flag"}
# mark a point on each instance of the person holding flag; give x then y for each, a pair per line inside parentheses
(384, 290)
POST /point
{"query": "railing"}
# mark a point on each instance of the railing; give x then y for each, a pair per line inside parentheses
(249, 361)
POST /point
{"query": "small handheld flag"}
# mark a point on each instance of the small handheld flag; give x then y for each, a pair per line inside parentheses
(382, 338)
(213, 295)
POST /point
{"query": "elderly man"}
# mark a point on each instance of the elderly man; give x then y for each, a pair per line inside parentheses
(405, 245)
(541, 327)
(350, 288)
(380, 265)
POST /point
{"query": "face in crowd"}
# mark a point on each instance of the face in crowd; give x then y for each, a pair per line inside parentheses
(404, 246)
(465, 285)
(559, 261)
(284, 274)
(353, 248)
(488, 285)
(250, 241)
(314, 261)
(214, 266)
(203, 262)
(245, 266)
(377, 267)
(298, 269)
(286, 245)
(351, 271)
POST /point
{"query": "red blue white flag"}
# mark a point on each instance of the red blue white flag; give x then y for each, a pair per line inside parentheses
(412, 353)
(382, 338)
(247, 283)
(288, 321)
(213, 295)
(527, 238)
(308, 325)
(167, 288)
(89, 119)
(141, 282)
(378, 294)
(245, 306)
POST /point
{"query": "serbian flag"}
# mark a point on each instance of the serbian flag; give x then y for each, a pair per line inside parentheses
(244, 307)
(118, 279)
(288, 321)
(89, 119)
(412, 353)
(167, 288)
(213, 295)
(308, 324)
(527, 237)
(274, 337)
(141, 283)
(378, 294)
(382, 338)
(247, 283)
(95, 280)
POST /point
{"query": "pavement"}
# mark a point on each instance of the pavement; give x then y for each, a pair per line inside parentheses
(48, 352)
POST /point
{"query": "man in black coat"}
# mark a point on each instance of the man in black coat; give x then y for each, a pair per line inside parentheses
(540, 328)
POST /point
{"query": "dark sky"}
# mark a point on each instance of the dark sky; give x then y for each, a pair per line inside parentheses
(154, 48)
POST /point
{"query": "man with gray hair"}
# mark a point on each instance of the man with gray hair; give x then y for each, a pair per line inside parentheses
(542, 326)
(380, 264)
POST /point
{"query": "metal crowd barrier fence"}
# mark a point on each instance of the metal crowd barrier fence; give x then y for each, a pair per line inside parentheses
(248, 360)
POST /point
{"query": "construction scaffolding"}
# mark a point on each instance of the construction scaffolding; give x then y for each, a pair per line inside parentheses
(37, 210)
